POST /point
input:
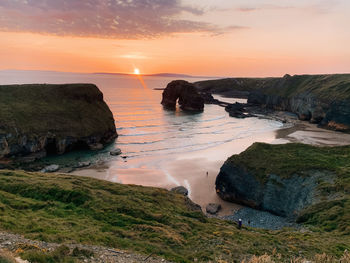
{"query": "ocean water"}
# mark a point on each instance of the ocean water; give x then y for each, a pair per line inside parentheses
(162, 148)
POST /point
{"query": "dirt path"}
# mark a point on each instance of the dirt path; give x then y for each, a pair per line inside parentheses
(12, 244)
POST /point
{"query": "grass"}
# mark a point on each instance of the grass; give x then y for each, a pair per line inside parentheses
(229, 84)
(62, 208)
(61, 254)
(332, 214)
(75, 110)
(6, 258)
(325, 87)
(286, 159)
(319, 258)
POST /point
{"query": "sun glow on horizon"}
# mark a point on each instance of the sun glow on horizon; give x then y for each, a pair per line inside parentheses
(136, 71)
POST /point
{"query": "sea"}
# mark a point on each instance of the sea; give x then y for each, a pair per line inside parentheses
(160, 148)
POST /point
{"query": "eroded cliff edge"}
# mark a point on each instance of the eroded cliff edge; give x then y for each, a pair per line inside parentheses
(43, 119)
(302, 182)
(320, 99)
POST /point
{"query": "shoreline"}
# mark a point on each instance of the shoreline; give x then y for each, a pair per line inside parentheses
(201, 187)
(293, 131)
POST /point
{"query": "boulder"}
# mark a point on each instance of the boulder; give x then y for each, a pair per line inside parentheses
(66, 170)
(237, 110)
(213, 208)
(53, 119)
(185, 93)
(82, 164)
(51, 168)
(180, 190)
(116, 152)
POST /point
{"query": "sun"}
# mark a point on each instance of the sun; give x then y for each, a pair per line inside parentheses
(136, 71)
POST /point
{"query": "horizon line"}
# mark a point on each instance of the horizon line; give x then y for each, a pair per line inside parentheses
(160, 74)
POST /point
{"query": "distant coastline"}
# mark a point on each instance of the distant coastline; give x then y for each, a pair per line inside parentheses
(165, 74)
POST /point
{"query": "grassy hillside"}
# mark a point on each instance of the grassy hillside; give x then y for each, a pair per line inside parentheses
(75, 110)
(288, 159)
(229, 84)
(63, 208)
(327, 87)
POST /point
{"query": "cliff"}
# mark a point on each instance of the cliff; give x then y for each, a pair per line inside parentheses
(292, 180)
(321, 99)
(53, 119)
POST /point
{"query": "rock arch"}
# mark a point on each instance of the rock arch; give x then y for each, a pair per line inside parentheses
(184, 92)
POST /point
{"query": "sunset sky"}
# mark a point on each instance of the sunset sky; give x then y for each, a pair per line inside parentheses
(206, 37)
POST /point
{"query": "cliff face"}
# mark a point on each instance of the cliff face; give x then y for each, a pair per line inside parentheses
(330, 114)
(45, 119)
(281, 196)
(321, 99)
(186, 93)
(286, 180)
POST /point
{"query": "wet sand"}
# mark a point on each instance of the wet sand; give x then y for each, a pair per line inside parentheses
(188, 169)
(308, 133)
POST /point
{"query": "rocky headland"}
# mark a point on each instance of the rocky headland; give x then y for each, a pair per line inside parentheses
(185, 94)
(304, 183)
(41, 119)
(320, 99)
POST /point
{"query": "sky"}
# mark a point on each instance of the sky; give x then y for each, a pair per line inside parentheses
(202, 37)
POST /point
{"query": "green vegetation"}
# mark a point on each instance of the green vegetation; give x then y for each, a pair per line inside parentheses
(62, 208)
(75, 110)
(61, 254)
(6, 259)
(287, 159)
(229, 84)
(326, 87)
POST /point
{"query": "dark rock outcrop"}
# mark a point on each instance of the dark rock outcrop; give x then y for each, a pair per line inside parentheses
(279, 194)
(238, 110)
(320, 99)
(51, 168)
(53, 119)
(334, 115)
(180, 190)
(116, 152)
(185, 93)
(213, 208)
(337, 117)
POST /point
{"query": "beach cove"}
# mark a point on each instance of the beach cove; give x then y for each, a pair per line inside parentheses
(167, 149)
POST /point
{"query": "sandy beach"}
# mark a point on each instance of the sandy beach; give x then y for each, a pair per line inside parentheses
(190, 169)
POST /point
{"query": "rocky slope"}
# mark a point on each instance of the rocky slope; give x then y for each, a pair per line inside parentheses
(321, 99)
(42, 119)
(25, 250)
(186, 93)
(289, 180)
